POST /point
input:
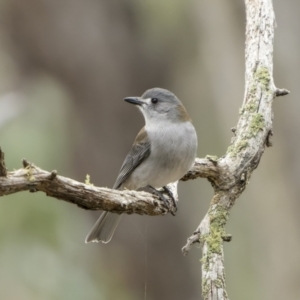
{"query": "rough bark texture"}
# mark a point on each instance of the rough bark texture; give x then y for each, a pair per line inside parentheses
(3, 170)
(87, 196)
(251, 136)
(228, 175)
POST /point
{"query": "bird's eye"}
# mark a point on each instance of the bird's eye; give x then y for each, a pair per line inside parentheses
(154, 100)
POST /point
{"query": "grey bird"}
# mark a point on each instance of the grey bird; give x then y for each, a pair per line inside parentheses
(163, 151)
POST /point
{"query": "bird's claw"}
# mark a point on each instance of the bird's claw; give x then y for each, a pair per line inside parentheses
(172, 208)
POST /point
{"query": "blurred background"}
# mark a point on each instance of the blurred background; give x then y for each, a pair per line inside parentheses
(65, 67)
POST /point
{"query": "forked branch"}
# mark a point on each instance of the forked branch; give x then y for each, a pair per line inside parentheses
(228, 175)
(252, 135)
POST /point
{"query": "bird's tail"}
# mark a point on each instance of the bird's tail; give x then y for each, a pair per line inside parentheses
(104, 228)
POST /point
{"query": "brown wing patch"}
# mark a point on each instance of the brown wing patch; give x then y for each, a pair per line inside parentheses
(137, 154)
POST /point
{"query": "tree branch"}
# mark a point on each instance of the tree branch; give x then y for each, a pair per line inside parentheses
(33, 179)
(252, 134)
(3, 170)
(228, 175)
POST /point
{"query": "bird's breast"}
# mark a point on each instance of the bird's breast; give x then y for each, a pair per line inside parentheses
(173, 152)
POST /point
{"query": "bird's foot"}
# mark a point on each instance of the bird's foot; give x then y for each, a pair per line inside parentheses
(170, 194)
(172, 208)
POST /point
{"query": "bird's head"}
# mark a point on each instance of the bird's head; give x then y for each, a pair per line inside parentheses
(160, 105)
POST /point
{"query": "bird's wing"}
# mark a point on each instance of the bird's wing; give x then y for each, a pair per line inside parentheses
(138, 153)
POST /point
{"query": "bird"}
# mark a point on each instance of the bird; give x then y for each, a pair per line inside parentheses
(163, 151)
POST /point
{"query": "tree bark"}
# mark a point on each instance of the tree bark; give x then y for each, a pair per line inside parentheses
(228, 175)
(251, 135)
(86, 195)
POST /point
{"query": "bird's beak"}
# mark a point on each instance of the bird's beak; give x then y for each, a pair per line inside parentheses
(134, 100)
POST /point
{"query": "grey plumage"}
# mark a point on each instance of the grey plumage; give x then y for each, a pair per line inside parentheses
(104, 228)
(163, 151)
(139, 152)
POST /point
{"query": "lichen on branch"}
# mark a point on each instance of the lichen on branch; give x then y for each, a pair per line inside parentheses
(251, 136)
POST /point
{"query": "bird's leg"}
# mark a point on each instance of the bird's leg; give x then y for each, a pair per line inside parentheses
(163, 198)
(159, 194)
(170, 194)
